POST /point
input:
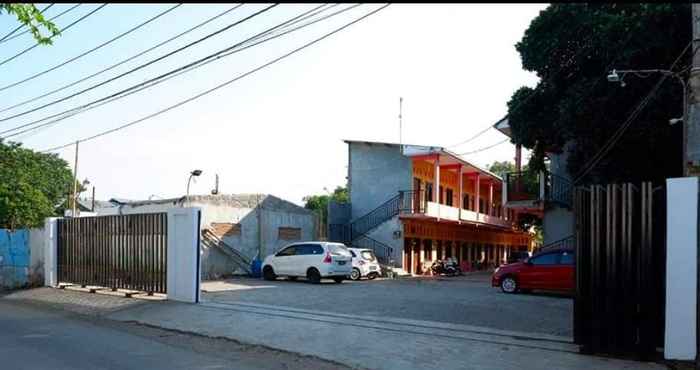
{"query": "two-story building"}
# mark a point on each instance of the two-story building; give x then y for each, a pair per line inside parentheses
(413, 204)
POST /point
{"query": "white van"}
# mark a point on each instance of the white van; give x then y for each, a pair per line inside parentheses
(313, 260)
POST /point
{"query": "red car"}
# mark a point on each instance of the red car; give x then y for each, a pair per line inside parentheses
(546, 270)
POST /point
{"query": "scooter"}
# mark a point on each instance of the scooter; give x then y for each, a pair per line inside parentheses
(448, 267)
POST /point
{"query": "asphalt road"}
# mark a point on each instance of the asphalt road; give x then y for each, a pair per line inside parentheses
(468, 300)
(34, 337)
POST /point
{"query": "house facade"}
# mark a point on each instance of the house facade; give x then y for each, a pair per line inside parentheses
(549, 196)
(414, 204)
(236, 228)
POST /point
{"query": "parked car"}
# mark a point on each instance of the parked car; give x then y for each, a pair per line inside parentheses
(517, 256)
(364, 264)
(313, 260)
(546, 270)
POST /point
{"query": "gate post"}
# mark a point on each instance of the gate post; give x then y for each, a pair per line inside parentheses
(681, 268)
(51, 252)
(183, 261)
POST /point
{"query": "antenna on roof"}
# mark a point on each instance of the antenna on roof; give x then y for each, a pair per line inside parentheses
(400, 120)
(216, 186)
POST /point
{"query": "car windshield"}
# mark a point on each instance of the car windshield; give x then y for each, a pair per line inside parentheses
(338, 250)
(368, 255)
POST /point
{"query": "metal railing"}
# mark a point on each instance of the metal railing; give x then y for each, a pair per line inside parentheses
(558, 189)
(213, 240)
(118, 252)
(523, 185)
(565, 243)
(376, 217)
(383, 252)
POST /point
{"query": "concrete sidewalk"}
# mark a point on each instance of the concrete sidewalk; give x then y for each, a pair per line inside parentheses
(356, 340)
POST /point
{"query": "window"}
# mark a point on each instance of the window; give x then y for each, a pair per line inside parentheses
(481, 206)
(289, 233)
(429, 191)
(567, 258)
(368, 255)
(353, 254)
(448, 197)
(289, 251)
(545, 259)
(465, 201)
(308, 249)
(441, 201)
(338, 250)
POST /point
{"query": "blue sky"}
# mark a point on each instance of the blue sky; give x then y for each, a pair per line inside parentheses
(279, 130)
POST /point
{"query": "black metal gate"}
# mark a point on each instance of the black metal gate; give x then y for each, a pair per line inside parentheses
(620, 268)
(118, 252)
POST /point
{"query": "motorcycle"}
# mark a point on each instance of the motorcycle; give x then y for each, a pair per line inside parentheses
(448, 267)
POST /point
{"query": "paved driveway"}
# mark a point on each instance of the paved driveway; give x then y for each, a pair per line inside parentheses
(468, 300)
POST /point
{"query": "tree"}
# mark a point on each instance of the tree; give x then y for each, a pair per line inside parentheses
(33, 186)
(570, 47)
(319, 203)
(28, 15)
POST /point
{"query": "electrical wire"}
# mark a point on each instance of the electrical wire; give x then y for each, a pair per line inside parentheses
(61, 31)
(135, 68)
(625, 125)
(3, 88)
(486, 147)
(121, 62)
(224, 84)
(178, 71)
(22, 24)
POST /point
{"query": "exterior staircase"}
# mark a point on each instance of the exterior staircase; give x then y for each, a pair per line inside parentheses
(213, 241)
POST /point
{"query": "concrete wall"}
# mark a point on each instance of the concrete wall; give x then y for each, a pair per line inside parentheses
(385, 234)
(36, 256)
(376, 172)
(14, 258)
(559, 162)
(681, 268)
(558, 223)
(339, 213)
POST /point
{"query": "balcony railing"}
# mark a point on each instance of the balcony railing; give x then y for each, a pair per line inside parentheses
(538, 186)
(416, 203)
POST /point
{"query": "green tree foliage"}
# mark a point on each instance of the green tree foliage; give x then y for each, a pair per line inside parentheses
(33, 186)
(530, 183)
(320, 202)
(29, 16)
(570, 47)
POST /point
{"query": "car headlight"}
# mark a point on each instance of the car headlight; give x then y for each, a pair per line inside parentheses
(496, 271)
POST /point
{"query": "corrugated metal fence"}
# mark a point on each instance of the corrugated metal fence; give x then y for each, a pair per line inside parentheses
(620, 267)
(118, 252)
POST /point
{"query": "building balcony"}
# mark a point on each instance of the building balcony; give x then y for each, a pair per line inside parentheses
(534, 190)
(415, 205)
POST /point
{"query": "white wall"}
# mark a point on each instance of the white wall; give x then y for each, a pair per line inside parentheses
(184, 277)
(36, 256)
(681, 268)
(50, 252)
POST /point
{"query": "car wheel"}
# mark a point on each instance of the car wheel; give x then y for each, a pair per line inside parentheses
(338, 280)
(509, 285)
(313, 276)
(269, 273)
(372, 276)
(355, 274)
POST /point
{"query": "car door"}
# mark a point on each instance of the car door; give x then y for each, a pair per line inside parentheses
(540, 271)
(283, 260)
(567, 271)
(301, 260)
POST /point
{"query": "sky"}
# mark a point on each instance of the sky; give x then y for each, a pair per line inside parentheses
(279, 130)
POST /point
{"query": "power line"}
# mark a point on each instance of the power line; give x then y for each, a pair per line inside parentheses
(61, 31)
(135, 68)
(628, 122)
(22, 24)
(191, 66)
(3, 88)
(473, 137)
(123, 61)
(486, 147)
(223, 84)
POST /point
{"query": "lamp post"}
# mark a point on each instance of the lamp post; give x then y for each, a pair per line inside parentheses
(618, 76)
(189, 180)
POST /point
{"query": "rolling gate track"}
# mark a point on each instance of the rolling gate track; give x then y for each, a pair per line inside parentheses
(620, 268)
(117, 252)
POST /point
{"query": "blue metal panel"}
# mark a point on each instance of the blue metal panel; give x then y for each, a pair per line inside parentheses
(14, 257)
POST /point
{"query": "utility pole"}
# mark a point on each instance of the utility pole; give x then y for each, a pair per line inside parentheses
(75, 181)
(691, 128)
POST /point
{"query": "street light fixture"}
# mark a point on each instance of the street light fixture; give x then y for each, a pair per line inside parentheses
(192, 174)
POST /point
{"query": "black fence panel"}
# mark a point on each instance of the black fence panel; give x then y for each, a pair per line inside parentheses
(620, 268)
(118, 252)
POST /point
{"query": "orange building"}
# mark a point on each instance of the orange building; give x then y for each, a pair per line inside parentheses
(413, 204)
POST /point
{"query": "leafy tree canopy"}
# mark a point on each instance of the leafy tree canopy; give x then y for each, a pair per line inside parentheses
(571, 47)
(33, 186)
(320, 202)
(29, 16)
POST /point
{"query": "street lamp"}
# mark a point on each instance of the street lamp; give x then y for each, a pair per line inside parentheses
(192, 174)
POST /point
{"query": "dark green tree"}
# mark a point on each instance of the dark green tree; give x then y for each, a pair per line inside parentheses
(33, 186)
(571, 47)
(31, 17)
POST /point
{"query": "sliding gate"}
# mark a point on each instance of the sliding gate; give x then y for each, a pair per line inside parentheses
(620, 268)
(118, 252)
